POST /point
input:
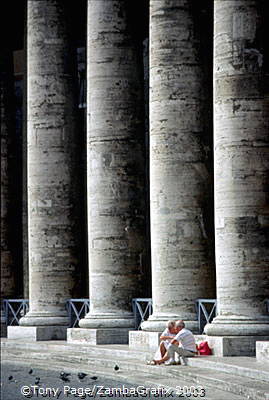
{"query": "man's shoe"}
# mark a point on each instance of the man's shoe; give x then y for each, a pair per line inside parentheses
(171, 363)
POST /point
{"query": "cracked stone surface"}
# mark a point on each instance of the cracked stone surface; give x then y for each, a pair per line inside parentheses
(53, 162)
(241, 168)
(116, 192)
(180, 177)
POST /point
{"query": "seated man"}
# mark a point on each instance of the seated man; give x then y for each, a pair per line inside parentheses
(183, 337)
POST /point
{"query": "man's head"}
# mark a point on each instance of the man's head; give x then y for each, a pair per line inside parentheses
(179, 325)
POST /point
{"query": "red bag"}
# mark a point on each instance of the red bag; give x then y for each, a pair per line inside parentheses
(204, 349)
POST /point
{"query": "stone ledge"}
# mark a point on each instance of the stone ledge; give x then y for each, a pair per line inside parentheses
(223, 346)
(262, 351)
(37, 333)
(98, 336)
(144, 340)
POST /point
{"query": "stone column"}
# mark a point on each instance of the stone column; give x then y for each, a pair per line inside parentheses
(52, 159)
(241, 111)
(116, 199)
(180, 181)
(8, 281)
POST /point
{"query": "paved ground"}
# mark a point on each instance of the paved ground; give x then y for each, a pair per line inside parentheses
(17, 384)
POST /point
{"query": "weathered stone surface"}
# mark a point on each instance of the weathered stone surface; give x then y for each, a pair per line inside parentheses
(223, 346)
(98, 336)
(8, 272)
(180, 155)
(52, 164)
(116, 194)
(262, 351)
(144, 340)
(241, 156)
(36, 333)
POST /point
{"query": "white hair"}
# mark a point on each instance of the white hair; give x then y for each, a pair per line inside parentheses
(171, 324)
(180, 324)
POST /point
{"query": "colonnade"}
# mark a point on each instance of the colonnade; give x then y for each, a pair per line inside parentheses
(181, 169)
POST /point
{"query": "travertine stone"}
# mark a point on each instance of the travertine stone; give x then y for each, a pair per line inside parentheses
(52, 164)
(237, 346)
(8, 283)
(98, 336)
(36, 333)
(262, 351)
(144, 340)
(241, 139)
(180, 181)
(116, 200)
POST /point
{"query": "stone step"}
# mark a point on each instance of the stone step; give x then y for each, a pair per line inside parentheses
(249, 387)
(241, 366)
(136, 378)
(105, 350)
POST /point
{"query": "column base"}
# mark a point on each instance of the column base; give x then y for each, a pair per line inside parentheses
(224, 346)
(157, 323)
(262, 351)
(237, 326)
(48, 319)
(37, 333)
(98, 336)
(107, 321)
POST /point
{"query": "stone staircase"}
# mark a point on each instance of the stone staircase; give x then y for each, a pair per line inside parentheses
(229, 378)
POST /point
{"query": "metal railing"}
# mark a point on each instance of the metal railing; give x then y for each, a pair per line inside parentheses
(142, 309)
(14, 309)
(77, 309)
(206, 310)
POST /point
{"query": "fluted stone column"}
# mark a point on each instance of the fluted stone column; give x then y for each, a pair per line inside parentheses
(52, 159)
(8, 271)
(241, 111)
(180, 182)
(116, 200)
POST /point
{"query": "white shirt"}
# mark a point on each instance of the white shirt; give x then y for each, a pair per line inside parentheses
(187, 340)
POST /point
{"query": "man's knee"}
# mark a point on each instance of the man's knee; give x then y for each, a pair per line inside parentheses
(172, 349)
